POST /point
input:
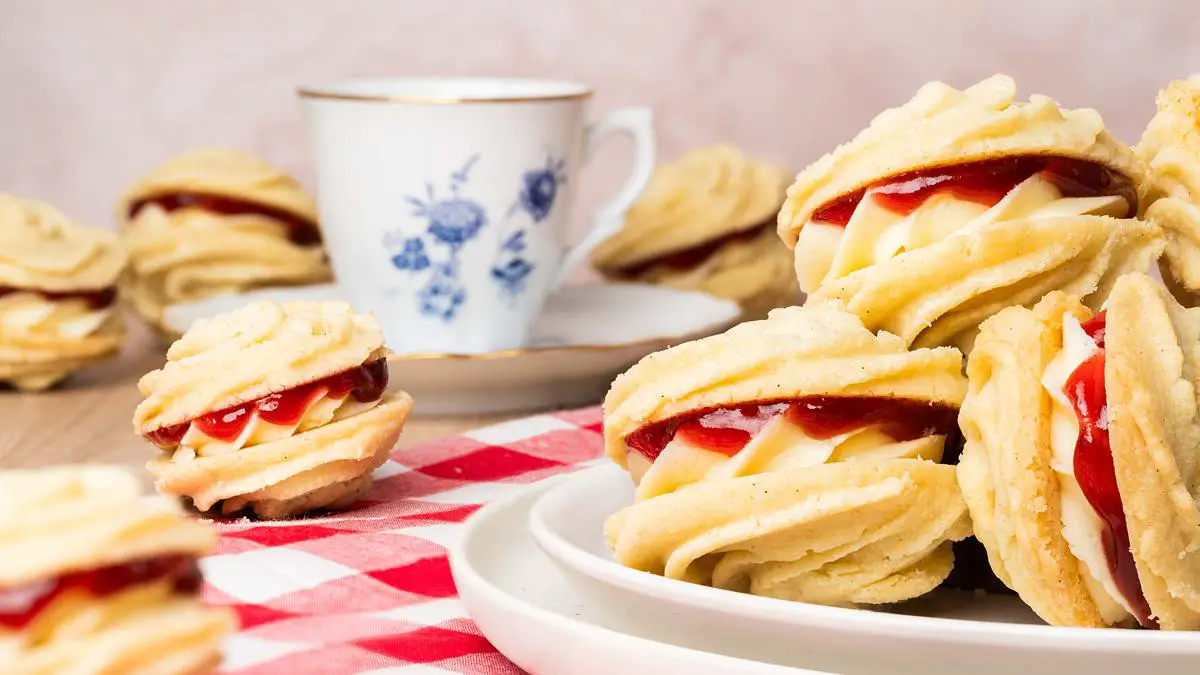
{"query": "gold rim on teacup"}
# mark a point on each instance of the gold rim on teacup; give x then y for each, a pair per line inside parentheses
(339, 92)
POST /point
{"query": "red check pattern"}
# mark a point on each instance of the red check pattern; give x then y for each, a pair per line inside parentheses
(369, 590)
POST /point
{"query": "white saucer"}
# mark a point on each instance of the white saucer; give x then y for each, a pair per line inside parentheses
(585, 337)
(947, 632)
(526, 608)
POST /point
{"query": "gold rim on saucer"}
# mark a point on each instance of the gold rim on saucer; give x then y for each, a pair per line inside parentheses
(523, 351)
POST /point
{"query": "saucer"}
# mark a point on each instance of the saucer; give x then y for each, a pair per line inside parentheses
(531, 613)
(946, 632)
(584, 338)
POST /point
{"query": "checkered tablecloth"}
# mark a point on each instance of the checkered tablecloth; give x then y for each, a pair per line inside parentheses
(369, 590)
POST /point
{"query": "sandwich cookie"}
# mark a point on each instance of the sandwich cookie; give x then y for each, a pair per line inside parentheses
(960, 203)
(1080, 465)
(279, 409)
(58, 294)
(97, 579)
(216, 221)
(794, 457)
(706, 223)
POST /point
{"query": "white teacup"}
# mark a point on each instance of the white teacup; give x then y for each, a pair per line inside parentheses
(445, 202)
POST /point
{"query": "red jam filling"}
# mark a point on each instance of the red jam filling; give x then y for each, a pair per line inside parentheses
(285, 408)
(1096, 475)
(21, 605)
(95, 299)
(300, 231)
(689, 258)
(727, 430)
(985, 182)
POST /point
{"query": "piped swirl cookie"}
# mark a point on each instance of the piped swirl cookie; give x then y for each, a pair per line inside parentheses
(276, 408)
(794, 457)
(217, 221)
(96, 578)
(705, 223)
(959, 203)
(57, 295)
(1170, 147)
(1082, 447)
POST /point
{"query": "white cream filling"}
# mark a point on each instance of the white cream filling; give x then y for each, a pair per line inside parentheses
(825, 252)
(1082, 528)
(323, 410)
(32, 314)
(780, 446)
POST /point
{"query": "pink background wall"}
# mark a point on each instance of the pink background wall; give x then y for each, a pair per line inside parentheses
(92, 93)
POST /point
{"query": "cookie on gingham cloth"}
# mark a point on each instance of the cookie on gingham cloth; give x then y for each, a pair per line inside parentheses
(277, 408)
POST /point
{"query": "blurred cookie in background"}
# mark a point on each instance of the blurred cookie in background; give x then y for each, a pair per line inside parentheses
(57, 294)
(216, 221)
(1170, 195)
(707, 222)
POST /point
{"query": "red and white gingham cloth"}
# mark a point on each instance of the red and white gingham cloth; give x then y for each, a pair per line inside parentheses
(369, 590)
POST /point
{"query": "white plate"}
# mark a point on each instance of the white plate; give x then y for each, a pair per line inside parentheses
(946, 632)
(526, 608)
(585, 337)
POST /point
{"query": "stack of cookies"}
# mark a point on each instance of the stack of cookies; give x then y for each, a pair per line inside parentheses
(833, 453)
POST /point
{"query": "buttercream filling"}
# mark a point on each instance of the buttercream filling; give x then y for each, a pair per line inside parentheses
(1093, 526)
(278, 415)
(915, 209)
(300, 230)
(786, 435)
(62, 315)
(95, 298)
(21, 605)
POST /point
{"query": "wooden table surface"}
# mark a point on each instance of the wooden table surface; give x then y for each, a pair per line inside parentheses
(88, 418)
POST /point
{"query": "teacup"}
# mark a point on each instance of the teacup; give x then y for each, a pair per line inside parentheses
(445, 202)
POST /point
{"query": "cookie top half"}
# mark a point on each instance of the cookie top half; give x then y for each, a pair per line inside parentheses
(40, 249)
(221, 172)
(262, 348)
(943, 126)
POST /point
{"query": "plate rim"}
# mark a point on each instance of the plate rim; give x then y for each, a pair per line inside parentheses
(686, 595)
(462, 568)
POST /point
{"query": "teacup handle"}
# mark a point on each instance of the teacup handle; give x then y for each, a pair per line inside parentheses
(609, 217)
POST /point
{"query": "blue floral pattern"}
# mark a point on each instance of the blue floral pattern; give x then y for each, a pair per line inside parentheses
(511, 269)
(452, 222)
(453, 219)
(444, 294)
(536, 197)
(539, 188)
(412, 256)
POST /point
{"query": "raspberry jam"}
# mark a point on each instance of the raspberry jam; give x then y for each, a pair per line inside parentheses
(727, 430)
(98, 298)
(985, 182)
(21, 605)
(302, 232)
(689, 258)
(1095, 473)
(285, 408)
